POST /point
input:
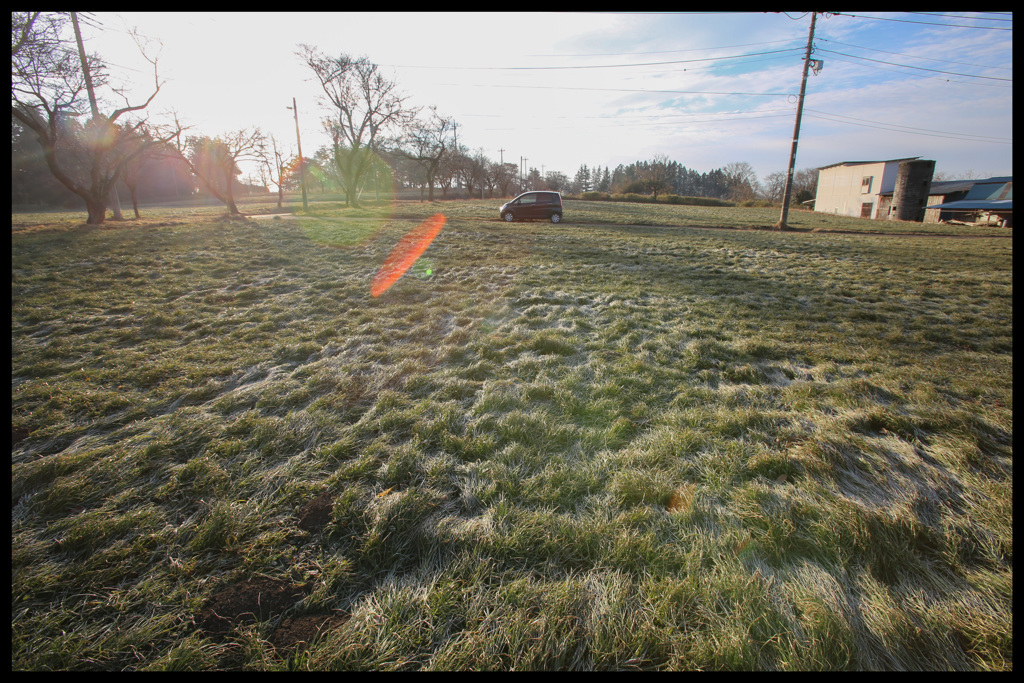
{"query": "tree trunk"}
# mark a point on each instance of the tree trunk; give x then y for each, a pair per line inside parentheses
(229, 195)
(115, 204)
(97, 211)
(133, 191)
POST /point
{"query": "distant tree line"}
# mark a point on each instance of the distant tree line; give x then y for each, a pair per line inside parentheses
(380, 144)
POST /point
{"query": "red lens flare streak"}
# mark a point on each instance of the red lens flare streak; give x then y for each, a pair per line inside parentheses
(405, 253)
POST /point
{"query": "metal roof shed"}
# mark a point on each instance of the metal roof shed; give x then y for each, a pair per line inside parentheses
(994, 195)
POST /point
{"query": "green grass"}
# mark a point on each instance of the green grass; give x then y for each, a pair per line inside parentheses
(614, 443)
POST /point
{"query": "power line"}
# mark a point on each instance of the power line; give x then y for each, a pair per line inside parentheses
(911, 132)
(912, 128)
(957, 16)
(905, 54)
(669, 92)
(694, 69)
(931, 23)
(947, 80)
(585, 66)
(660, 52)
(664, 123)
(919, 68)
(619, 117)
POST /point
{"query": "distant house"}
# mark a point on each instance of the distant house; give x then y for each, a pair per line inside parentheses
(989, 197)
(855, 188)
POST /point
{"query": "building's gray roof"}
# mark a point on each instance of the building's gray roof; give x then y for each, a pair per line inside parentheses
(991, 194)
(950, 186)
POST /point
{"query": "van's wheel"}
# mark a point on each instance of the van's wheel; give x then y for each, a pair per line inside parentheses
(556, 218)
(509, 216)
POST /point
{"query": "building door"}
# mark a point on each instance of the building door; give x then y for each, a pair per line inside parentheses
(865, 209)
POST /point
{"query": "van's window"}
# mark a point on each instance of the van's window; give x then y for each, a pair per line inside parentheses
(528, 199)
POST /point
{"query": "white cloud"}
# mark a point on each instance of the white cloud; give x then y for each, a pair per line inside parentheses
(227, 71)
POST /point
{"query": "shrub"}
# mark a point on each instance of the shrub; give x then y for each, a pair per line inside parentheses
(649, 199)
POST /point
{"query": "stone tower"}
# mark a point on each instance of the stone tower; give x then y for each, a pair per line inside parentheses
(913, 181)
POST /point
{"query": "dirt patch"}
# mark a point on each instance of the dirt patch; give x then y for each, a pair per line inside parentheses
(273, 216)
(315, 514)
(246, 602)
(294, 634)
(18, 434)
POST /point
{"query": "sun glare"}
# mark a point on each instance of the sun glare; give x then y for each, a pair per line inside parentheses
(405, 253)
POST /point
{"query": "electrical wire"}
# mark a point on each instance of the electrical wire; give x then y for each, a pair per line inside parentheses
(694, 69)
(957, 16)
(585, 66)
(660, 52)
(911, 128)
(763, 113)
(905, 54)
(919, 68)
(669, 92)
(931, 23)
(939, 78)
(910, 132)
(666, 123)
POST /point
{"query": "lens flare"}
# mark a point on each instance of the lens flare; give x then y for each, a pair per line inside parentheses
(405, 253)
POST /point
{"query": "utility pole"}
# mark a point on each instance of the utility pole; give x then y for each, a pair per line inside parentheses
(458, 179)
(85, 67)
(781, 225)
(302, 164)
(115, 201)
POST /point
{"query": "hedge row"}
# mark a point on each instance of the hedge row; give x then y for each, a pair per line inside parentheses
(649, 199)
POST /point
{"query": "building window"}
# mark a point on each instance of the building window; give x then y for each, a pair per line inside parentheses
(865, 184)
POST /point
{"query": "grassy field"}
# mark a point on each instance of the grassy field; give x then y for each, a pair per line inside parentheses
(613, 443)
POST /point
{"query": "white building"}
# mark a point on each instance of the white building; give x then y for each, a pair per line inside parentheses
(854, 188)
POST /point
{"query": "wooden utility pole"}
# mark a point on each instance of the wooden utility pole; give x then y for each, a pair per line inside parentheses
(781, 225)
(302, 162)
(115, 201)
(85, 67)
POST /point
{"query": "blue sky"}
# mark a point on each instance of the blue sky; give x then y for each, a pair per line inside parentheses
(565, 89)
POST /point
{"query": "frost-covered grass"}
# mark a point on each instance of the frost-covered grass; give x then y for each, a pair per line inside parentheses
(582, 446)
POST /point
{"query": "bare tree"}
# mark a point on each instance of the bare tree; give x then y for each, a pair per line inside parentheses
(557, 181)
(48, 82)
(655, 175)
(475, 172)
(366, 107)
(742, 181)
(449, 172)
(132, 171)
(426, 142)
(969, 174)
(805, 185)
(214, 161)
(504, 177)
(774, 186)
(274, 169)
